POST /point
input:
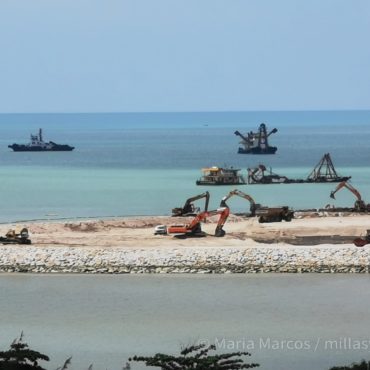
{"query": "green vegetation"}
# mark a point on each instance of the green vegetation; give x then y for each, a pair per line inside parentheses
(21, 357)
(363, 365)
(197, 358)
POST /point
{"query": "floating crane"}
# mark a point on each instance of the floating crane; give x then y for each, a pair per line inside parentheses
(325, 172)
(257, 142)
(188, 209)
(236, 192)
(360, 205)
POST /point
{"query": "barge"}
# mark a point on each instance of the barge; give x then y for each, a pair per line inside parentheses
(221, 176)
(324, 172)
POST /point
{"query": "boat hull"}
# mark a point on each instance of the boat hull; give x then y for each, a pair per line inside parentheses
(200, 182)
(257, 150)
(269, 181)
(25, 148)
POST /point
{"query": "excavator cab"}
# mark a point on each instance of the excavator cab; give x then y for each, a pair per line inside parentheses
(193, 229)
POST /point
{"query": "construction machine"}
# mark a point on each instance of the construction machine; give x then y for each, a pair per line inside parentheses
(16, 237)
(360, 242)
(189, 209)
(236, 192)
(194, 228)
(360, 205)
(274, 214)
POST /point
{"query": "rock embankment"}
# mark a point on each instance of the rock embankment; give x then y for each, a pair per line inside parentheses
(322, 259)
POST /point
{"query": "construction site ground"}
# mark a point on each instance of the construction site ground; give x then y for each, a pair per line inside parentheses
(307, 229)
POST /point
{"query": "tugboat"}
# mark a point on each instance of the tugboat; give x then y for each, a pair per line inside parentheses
(38, 145)
(221, 176)
(257, 142)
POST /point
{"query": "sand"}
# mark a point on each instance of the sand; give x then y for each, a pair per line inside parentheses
(138, 232)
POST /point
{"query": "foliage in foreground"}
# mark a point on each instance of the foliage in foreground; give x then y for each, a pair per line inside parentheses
(197, 358)
(21, 357)
(363, 365)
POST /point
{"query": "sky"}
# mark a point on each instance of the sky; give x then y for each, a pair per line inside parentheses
(183, 55)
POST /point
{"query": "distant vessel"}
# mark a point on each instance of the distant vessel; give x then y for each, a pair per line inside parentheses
(324, 171)
(256, 142)
(37, 144)
(220, 176)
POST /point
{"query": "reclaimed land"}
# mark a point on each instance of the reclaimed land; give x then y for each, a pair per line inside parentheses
(313, 242)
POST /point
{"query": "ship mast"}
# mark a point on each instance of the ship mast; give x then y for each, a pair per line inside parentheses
(40, 134)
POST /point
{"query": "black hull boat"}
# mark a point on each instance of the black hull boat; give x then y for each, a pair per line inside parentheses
(258, 150)
(38, 145)
(256, 142)
(324, 172)
(53, 148)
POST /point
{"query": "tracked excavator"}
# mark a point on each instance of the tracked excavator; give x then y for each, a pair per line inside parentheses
(264, 214)
(360, 205)
(18, 236)
(189, 209)
(193, 229)
(236, 192)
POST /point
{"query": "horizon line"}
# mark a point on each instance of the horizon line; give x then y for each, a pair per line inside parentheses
(202, 111)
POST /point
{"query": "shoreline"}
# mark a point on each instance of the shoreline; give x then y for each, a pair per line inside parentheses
(311, 243)
(324, 259)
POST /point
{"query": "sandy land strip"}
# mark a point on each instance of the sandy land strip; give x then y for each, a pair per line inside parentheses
(137, 232)
(310, 243)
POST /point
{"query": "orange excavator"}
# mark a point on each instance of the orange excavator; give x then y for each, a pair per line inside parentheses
(194, 228)
(236, 192)
(360, 205)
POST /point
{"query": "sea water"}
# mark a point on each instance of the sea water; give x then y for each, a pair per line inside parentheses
(309, 321)
(141, 164)
(148, 163)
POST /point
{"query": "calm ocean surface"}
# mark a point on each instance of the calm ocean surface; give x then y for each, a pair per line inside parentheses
(142, 164)
(145, 164)
(105, 319)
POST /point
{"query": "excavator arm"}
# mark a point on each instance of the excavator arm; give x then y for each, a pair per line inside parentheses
(188, 206)
(345, 184)
(239, 193)
(360, 205)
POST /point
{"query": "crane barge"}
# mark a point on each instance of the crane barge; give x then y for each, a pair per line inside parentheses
(256, 142)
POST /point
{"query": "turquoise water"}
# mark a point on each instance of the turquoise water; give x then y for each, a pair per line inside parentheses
(106, 319)
(145, 164)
